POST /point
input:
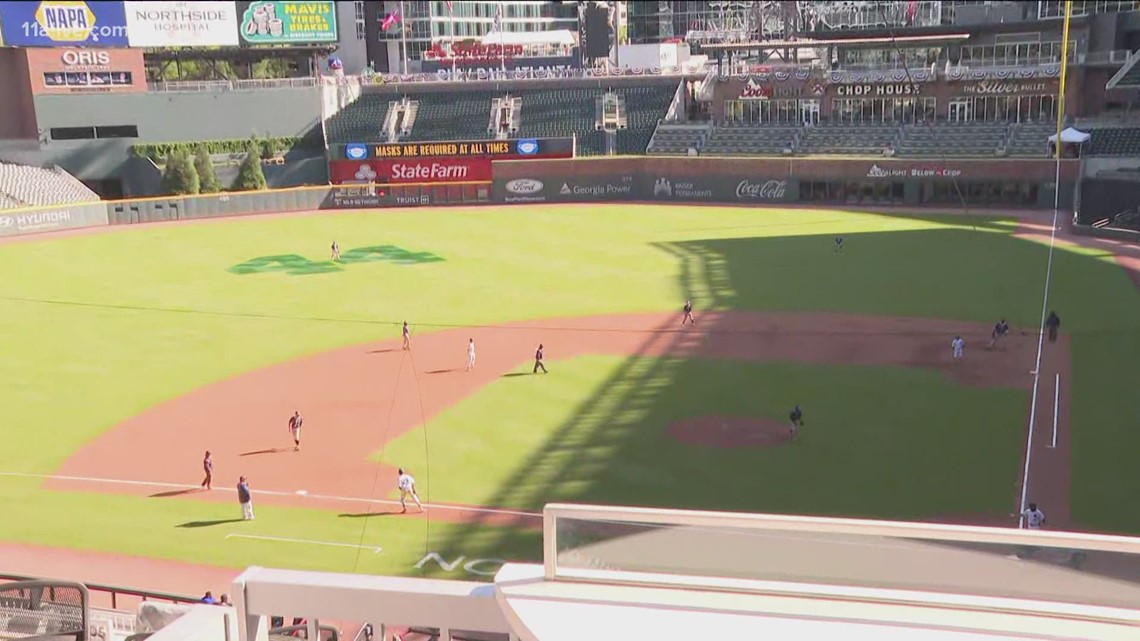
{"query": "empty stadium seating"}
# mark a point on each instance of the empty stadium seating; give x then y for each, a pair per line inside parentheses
(561, 113)
(954, 139)
(1030, 139)
(1115, 141)
(671, 139)
(440, 116)
(644, 107)
(837, 138)
(452, 115)
(25, 186)
(733, 139)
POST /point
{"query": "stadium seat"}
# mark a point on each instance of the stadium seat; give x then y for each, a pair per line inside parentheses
(849, 139)
(952, 139)
(1115, 141)
(26, 186)
(733, 139)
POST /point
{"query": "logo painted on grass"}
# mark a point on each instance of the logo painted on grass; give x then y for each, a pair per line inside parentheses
(297, 265)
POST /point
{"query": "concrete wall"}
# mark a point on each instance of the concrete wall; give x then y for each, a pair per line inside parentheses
(17, 113)
(189, 116)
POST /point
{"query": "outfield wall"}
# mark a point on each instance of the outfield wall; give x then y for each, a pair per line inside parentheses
(810, 181)
(760, 181)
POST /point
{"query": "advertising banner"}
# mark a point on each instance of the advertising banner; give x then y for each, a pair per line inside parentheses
(518, 149)
(582, 189)
(287, 22)
(74, 70)
(410, 170)
(17, 223)
(63, 23)
(182, 24)
(727, 189)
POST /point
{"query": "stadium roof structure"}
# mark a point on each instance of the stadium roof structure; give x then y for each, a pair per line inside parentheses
(631, 573)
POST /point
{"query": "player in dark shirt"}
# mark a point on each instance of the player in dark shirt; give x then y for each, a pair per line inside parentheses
(839, 244)
(797, 420)
(688, 309)
(538, 361)
(1053, 323)
(999, 332)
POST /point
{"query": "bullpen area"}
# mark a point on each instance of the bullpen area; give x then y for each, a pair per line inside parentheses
(132, 351)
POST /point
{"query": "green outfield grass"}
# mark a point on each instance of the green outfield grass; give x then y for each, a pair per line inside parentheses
(98, 328)
(883, 442)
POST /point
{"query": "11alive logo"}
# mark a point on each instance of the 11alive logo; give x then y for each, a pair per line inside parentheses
(69, 21)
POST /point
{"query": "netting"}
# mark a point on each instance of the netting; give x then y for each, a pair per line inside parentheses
(43, 611)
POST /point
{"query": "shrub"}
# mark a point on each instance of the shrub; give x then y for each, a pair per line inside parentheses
(180, 177)
(250, 176)
(207, 178)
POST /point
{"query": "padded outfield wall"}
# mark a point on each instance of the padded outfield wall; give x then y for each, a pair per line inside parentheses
(760, 181)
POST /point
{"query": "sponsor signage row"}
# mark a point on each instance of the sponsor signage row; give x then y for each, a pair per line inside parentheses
(16, 224)
(627, 187)
(109, 23)
(520, 149)
(410, 170)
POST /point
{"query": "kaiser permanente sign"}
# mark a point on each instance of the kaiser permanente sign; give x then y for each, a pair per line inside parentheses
(182, 24)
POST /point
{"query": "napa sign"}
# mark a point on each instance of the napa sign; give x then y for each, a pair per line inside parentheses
(71, 23)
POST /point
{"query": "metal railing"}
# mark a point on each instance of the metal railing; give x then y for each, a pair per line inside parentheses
(115, 592)
(232, 85)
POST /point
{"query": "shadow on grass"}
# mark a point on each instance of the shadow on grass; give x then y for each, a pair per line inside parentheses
(198, 524)
(517, 374)
(367, 515)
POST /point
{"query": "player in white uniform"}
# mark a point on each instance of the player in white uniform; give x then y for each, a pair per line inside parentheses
(1034, 518)
(958, 346)
(470, 354)
(407, 486)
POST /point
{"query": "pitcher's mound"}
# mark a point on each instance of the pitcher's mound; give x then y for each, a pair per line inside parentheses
(730, 431)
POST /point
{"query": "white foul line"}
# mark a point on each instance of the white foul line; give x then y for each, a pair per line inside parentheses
(347, 499)
(375, 549)
(1056, 407)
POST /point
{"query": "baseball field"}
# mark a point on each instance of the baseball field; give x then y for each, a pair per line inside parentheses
(129, 352)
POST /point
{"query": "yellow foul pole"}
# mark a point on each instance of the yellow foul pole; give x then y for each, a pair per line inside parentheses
(1064, 74)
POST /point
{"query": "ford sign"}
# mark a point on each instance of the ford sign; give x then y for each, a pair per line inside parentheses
(524, 186)
(527, 147)
(356, 151)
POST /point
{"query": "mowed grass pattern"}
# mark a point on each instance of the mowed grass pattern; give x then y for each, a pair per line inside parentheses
(98, 328)
(884, 442)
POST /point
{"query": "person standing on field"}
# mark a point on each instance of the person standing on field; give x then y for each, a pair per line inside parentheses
(1054, 324)
(470, 354)
(245, 498)
(208, 467)
(295, 422)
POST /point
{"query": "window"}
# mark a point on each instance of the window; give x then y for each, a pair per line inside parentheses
(72, 133)
(117, 131)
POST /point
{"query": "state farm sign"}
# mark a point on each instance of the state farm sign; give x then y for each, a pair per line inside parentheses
(410, 170)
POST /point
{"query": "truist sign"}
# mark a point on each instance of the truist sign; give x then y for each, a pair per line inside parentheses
(772, 190)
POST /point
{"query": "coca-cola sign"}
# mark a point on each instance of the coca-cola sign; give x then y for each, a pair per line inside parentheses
(767, 190)
(1001, 88)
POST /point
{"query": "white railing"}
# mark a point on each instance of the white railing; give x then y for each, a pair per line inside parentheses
(757, 551)
(232, 85)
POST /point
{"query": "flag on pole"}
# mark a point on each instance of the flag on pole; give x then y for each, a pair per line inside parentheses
(390, 20)
(450, 8)
(499, 15)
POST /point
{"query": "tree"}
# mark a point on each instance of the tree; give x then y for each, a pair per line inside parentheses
(205, 168)
(180, 176)
(250, 176)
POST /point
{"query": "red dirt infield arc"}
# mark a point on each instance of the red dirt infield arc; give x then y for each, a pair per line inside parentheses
(346, 396)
